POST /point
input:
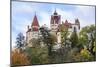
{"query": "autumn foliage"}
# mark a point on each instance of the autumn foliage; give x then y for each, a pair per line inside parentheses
(19, 58)
(76, 48)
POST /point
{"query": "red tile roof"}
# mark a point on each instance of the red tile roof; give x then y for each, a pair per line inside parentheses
(35, 21)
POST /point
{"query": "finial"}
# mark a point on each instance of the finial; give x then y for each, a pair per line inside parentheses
(55, 9)
(35, 13)
(55, 13)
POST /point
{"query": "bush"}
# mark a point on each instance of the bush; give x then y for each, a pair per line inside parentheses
(19, 58)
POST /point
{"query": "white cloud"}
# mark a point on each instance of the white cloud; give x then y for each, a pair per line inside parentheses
(22, 15)
(66, 15)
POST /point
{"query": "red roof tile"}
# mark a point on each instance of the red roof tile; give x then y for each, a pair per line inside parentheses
(35, 21)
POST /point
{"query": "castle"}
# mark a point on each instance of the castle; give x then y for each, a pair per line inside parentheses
(55, 23)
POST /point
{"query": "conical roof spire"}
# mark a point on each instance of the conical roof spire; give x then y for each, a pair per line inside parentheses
(35, 21)
(55, 13)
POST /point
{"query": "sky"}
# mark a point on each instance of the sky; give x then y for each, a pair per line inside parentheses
(22, 14)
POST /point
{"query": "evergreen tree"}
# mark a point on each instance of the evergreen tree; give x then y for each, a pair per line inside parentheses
(20, 41)
(47, 39)
(74, 38)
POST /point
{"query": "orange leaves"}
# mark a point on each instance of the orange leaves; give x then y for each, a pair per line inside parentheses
(19, 58)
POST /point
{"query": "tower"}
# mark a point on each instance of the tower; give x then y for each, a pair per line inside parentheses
(35, 24)
(33, 30)
(55, 21)
(76, 26)
(77, 23)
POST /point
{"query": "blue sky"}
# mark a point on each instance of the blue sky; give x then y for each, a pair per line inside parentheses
(23, 14)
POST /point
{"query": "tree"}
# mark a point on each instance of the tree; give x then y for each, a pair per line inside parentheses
(19, 58)
(64, 34)
(34, 42)
(92, 32)
(74, 38)
(20, 42)
(47, 39)
(86, 44)
(86, 55)
(94, 48)
(37, 55)
(87, 37)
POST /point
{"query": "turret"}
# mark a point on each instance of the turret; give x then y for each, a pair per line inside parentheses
(55, 21)
(77, 23)
(35, 24)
